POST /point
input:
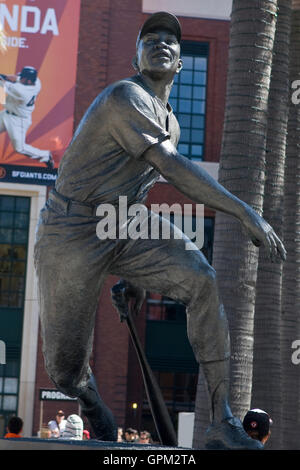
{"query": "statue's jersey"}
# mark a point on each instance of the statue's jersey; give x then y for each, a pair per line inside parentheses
(105, 157)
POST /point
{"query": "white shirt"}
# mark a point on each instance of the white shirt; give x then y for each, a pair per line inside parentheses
(55, 429)
(20, 99)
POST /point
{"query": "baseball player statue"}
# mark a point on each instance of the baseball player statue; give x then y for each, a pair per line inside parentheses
(125, 141)
(21, 92)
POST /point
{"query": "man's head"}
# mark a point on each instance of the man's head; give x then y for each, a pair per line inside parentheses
(130, 434)
(257, 424)
(158, 45)
(60, 416)
(15, 425)
(28, 75)
(145, 437)
(160, 20)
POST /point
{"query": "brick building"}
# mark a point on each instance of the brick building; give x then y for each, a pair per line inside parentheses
(107, 36)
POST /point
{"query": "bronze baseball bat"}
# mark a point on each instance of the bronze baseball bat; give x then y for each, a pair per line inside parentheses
(159, 411)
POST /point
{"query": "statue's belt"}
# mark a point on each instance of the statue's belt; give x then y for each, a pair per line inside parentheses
(69, 206)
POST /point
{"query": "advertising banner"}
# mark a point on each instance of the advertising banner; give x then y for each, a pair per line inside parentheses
(38, 59)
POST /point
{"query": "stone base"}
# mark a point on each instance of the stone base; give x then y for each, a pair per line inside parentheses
(66, 444)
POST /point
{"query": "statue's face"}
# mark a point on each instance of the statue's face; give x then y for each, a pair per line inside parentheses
(159, 52)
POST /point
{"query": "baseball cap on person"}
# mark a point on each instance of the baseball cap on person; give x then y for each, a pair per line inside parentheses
(161, 19)
(257, 420)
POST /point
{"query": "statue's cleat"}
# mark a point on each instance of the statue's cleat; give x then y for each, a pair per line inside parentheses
(230, 434)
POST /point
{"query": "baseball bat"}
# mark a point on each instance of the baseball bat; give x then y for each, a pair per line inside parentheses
(159, 411)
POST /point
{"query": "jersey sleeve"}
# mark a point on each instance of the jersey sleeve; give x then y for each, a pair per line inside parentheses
(132, 119)
(14, 91)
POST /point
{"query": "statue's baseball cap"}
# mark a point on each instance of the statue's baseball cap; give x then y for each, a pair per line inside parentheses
(161, 19)
(257, 420)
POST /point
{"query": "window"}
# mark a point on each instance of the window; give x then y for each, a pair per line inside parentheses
(14, 225)
(164, 309)
(178, 389)
(188, 99)
(14, 222)
(9, 384)
(179, 394)
(9, 390)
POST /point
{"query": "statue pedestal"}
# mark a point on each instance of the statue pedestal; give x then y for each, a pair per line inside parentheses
(65, 444)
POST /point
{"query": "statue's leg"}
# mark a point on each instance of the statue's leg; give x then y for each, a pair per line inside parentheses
(99, 415)
(168, 268)
(70, 280)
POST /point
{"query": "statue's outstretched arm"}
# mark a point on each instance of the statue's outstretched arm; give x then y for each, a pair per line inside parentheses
(193, 181)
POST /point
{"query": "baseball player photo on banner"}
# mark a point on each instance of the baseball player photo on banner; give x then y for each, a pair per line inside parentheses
(38, 59)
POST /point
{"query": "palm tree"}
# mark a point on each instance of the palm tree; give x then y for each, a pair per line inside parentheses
(290, 318)
(266, 394)
(242, 171)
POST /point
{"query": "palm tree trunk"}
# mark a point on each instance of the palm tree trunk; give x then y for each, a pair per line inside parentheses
(290, 319)
(242, 171)
(266, 394)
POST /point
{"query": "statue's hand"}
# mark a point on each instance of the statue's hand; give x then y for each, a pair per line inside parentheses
(122, 293)
(261, 233)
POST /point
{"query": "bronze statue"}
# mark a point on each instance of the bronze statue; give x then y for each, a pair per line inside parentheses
(125, 141)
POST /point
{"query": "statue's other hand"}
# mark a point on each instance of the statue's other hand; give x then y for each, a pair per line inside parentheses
(261, 233)
(122, 293)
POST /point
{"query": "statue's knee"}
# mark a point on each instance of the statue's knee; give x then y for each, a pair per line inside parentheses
(68, 388)
(65, 383)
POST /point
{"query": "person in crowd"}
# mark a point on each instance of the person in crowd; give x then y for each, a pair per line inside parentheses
(145, 437)
(73, 429)
(120, 437)
(257, 425)
(131, 435)
(57, 425)
(86, 435)
(14, 427)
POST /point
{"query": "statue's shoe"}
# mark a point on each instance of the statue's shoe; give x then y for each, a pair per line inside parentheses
(99, 415)
(230, 434)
